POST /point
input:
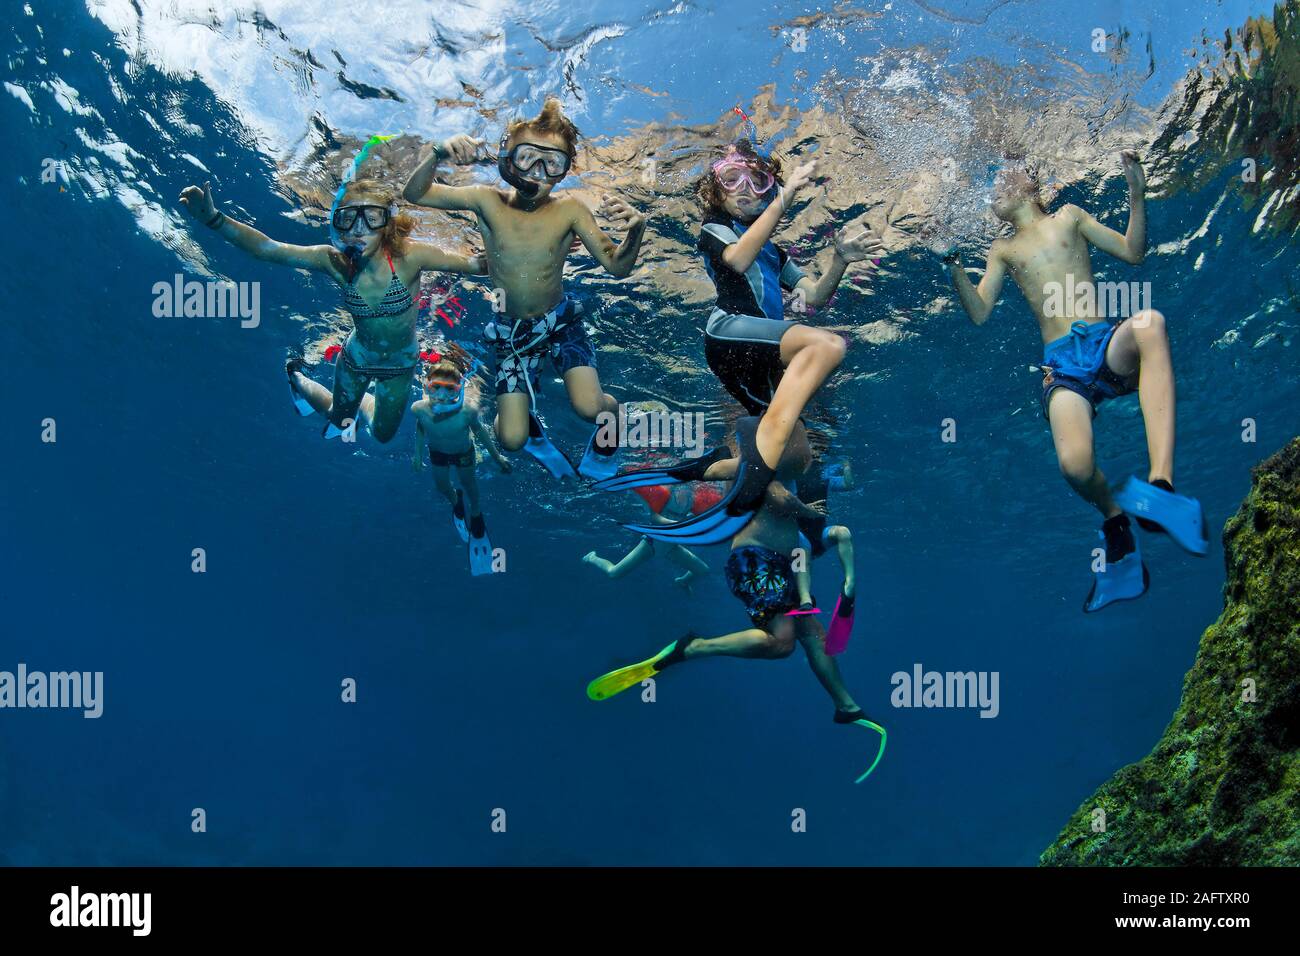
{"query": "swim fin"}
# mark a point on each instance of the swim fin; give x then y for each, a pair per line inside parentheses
(617, 681)
(860, 719)
(546, 454)
(736, 509)
(841, 629)
(596, 465)
(692, 469)
(480, 549)
(1177, 515)
(1119, 580)
(299, 401)
(458, 516)
(333, 431)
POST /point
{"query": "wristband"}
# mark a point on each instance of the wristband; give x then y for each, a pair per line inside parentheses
(216, 221)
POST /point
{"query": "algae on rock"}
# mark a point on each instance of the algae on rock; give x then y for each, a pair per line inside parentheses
(1222, 786)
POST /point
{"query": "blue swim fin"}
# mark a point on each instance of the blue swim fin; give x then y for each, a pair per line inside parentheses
(333, 431)
(480, 549)
(692, 469)
(595, 465)
(1177, 515)
(547, 455)
(736, 509)
(1121, 580)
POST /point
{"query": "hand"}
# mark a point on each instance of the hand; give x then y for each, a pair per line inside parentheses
(818, 506)
(1137, 179)
(505, 466)
(801, 176)
(864, 245)
(622, 215)
(199, 202)
(684, 581)
(463, 150)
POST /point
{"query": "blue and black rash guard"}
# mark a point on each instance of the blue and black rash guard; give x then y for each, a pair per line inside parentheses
(758, 291)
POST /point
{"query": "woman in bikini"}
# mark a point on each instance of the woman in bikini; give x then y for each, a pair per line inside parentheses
(376, 269)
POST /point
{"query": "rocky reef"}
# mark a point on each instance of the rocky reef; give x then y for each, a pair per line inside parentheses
(1222, 786)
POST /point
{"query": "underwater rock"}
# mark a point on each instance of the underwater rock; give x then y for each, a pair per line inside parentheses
(1222, 786)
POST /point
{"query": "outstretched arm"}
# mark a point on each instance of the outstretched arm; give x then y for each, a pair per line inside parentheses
(199, 203)
(979, 302)
(423, 190)
(436, 259)
(1132, 246)
(862, 245)
(618, 260)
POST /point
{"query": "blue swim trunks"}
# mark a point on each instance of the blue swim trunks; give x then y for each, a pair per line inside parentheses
(521, 345)
(1077, 361)
(763, 580)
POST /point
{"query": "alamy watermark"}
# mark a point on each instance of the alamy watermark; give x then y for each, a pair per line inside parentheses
(211, 299)
(922, 688)
(80, 690)
(1095, 300)
(652, 429)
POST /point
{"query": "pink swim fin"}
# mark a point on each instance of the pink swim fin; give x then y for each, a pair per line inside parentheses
(841, 629)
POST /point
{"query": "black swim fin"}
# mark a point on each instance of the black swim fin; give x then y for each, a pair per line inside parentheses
(736, 509)
(692, 469)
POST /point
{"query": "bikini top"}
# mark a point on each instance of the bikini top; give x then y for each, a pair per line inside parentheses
(396, 299)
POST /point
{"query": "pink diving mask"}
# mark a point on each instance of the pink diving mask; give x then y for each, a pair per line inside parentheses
(734, 173)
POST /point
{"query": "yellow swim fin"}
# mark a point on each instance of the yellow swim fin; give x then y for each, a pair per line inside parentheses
(615, 682)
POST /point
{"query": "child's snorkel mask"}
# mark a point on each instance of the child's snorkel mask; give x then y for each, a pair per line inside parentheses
(350, 249)
(526, 158)
(735, 171)
(447, 395)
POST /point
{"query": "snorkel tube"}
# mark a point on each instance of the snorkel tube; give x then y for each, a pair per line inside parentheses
(350, 250)
(527, 187)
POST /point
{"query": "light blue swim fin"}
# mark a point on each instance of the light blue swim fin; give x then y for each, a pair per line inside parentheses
(736, 509)
(1121, 580)
(480, 550)
(692, 469)
(546, 454)
(333, 431)
(1177, 515)
(596, 466)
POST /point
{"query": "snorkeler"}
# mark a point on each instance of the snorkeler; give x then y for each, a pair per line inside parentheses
(817, 536)
(1088, 358)
(376, 265)
(528, 233)
(667, 504)
(770, 365)
(448, 420)
(760, 573)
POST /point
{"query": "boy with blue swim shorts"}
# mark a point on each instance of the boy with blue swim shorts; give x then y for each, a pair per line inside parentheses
(1090, 355)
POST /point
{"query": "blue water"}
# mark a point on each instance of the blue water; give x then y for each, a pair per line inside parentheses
(326, 562)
